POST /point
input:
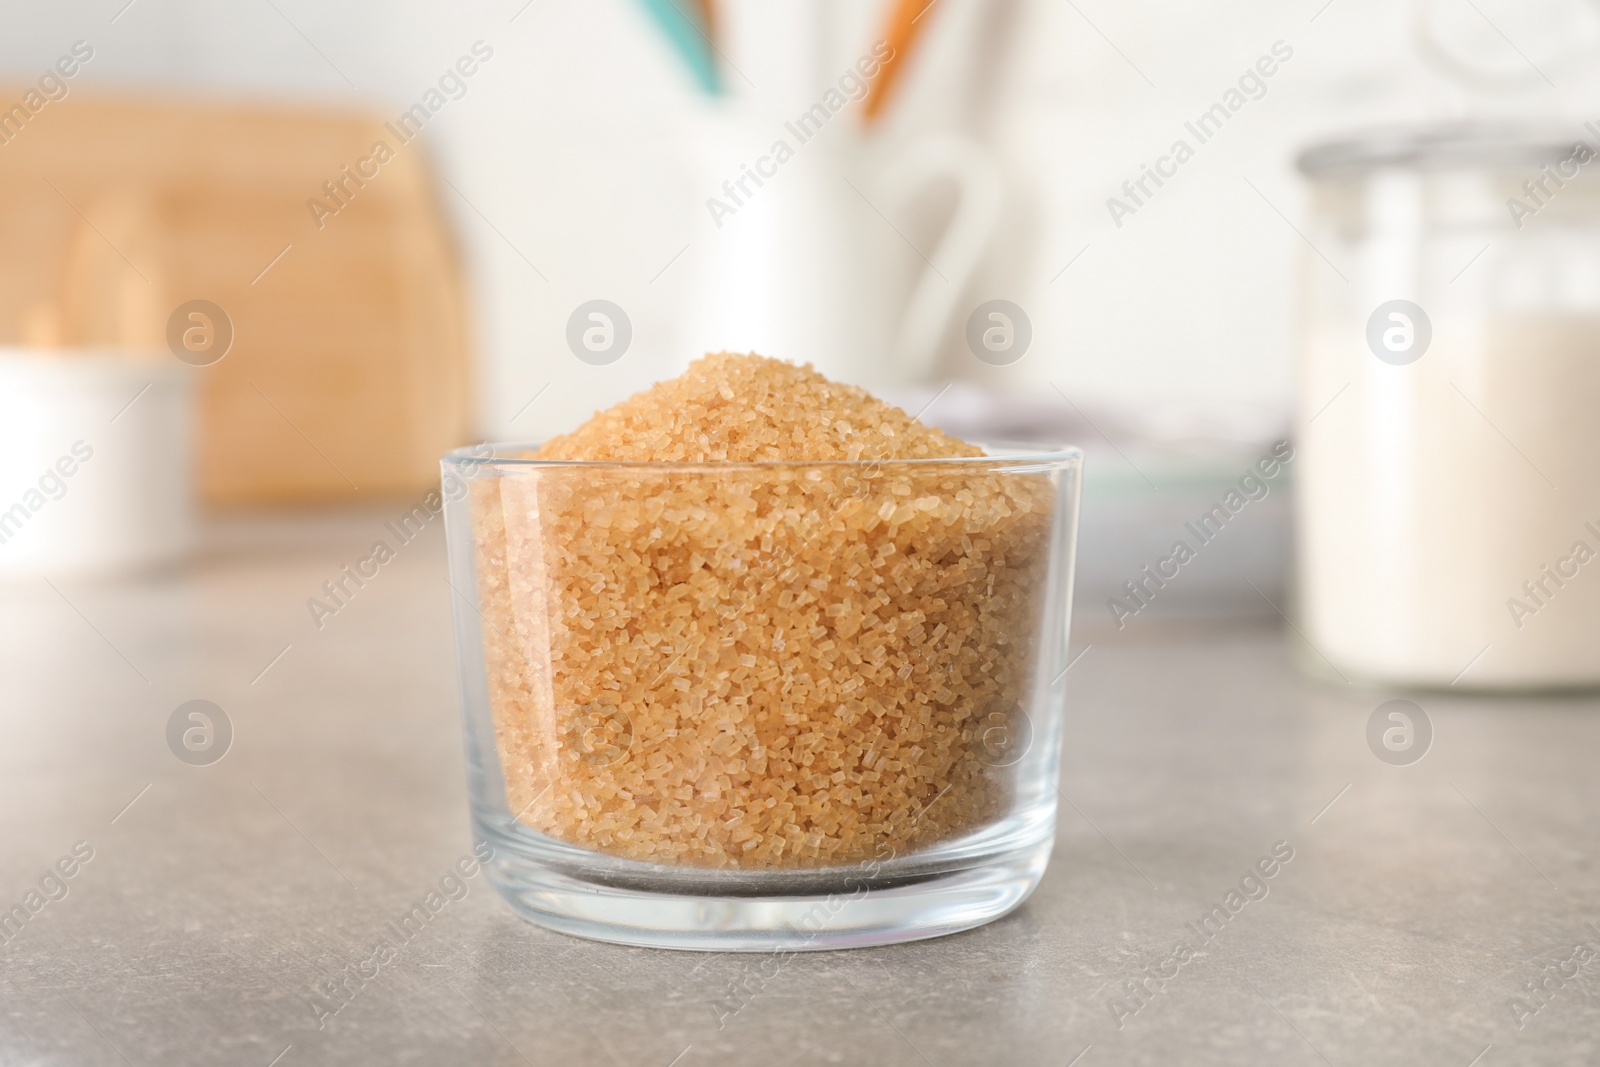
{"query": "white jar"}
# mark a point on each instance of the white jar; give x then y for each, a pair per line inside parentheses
(1449, 479)
(96, 462)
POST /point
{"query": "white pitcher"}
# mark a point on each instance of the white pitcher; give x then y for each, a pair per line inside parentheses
(807, 254)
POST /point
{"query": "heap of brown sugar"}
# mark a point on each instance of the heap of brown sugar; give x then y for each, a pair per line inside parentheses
(750, 666)
(746, 408)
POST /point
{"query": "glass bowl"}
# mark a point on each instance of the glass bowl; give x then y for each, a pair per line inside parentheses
(763, 706)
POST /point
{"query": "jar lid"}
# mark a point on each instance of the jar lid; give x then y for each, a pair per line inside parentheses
(1461, 146)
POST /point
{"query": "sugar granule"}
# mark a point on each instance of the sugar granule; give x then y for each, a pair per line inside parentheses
(755, 667)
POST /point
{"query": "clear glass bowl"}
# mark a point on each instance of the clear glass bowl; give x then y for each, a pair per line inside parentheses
(763, 706)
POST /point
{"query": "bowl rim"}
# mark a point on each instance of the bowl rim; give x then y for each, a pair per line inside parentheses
(1052, 455)
(1436, 146)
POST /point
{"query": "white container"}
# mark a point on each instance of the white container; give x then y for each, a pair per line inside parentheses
(96, 463)
(1449, 473)
(808, 267)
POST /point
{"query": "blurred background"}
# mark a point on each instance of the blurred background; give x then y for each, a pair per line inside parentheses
(263, 261)
(374, 308)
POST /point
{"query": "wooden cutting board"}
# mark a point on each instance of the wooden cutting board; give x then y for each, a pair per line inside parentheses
(349, 370)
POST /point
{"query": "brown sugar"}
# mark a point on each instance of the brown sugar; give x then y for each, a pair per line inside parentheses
(736, 665)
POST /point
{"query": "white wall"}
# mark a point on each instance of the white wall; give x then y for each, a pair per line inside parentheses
(572, 143)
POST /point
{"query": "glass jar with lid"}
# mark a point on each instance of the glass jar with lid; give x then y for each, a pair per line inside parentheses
(1449, 493)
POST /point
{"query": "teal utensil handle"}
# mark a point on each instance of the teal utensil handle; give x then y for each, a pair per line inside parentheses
(681, 23)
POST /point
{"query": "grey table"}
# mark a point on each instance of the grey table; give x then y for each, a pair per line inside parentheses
(1419, 904)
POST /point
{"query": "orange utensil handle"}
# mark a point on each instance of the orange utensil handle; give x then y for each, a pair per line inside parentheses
(905, 24)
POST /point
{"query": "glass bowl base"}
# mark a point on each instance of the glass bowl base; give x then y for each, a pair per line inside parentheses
(900, 900)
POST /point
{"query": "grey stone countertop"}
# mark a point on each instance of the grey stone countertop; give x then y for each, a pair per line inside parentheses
(1420, 904)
